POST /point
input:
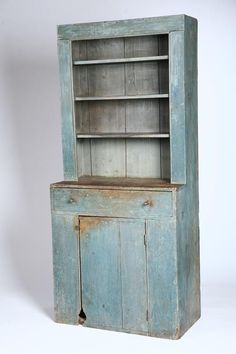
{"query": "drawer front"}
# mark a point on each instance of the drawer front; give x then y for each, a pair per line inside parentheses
(134, 204)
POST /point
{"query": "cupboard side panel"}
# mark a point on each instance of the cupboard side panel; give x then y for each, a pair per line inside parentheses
(177, 107)
(188, 260)
(67, 110)
(65, 268)
(187, 198)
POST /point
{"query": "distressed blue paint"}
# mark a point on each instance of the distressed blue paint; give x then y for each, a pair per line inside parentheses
(101, 278)
(177, 107)
(124, 276)
(134, 272)
(132, 27)
(67, 114)
(162, 279)
(187, 199)
(113, 203)
(65, 268)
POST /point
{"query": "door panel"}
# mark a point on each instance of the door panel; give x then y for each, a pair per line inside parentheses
(100, 269)
(113, 268)
(133, 271)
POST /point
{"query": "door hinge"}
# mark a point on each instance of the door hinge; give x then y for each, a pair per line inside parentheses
(147, 315)
(145, 239)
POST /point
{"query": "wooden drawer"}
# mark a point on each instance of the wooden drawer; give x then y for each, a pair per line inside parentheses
(112, 203)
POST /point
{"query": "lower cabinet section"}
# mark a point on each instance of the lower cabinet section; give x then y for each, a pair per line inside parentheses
(116, 273)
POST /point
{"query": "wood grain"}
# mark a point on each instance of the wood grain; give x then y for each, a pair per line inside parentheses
(67, 112)
(122, 28)
(118, 183)
(134, 275)
(177, 108)
(66, 268)
(113, 203)
(162, 279)
(128, 97)
(119, 60)
(100, 264)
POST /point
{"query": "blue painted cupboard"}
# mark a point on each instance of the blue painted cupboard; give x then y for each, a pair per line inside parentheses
(125, 220)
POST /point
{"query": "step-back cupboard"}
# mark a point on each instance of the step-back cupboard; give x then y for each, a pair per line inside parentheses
(125, 219)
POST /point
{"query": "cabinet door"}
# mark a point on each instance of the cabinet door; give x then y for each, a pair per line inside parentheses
(100, 272)
(113, 273)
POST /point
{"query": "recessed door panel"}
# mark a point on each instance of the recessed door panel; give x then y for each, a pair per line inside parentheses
(100, 272)
(113, 273)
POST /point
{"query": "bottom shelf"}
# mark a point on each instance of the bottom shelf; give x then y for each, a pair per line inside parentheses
(117, 183)
(127, 158)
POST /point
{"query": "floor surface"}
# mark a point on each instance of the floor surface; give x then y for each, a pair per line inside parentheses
(27, 328)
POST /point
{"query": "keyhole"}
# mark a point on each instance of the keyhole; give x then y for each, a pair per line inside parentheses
(82, 317)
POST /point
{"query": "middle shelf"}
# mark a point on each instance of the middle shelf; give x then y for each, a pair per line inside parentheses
(108, 98)
(120, 60)
(122, 135)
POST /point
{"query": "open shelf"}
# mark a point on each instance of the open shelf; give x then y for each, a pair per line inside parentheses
(124, 135)
(120, 60)
(109, 98)
(121, 107)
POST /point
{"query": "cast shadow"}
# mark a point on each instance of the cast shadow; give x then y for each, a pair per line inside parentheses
(32, 92)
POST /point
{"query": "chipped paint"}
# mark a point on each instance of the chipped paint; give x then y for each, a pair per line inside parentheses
(87, 223)
(113, 203)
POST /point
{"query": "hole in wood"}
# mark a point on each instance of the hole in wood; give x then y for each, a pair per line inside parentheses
(82, 317)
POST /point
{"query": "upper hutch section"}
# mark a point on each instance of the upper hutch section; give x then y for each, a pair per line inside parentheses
(123, 98)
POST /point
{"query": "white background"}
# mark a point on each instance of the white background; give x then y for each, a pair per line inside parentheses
(31, 158)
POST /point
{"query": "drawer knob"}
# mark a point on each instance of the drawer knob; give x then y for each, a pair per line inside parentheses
(71, 201)
(147, 203)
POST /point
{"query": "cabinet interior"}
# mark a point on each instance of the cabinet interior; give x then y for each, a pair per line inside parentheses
(121, 106)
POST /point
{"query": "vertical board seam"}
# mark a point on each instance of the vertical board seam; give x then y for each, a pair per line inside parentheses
(80, 264)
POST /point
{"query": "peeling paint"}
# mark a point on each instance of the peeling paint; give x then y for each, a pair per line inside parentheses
(87, 223)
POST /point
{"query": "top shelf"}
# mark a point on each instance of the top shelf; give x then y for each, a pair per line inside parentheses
(120, 60)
